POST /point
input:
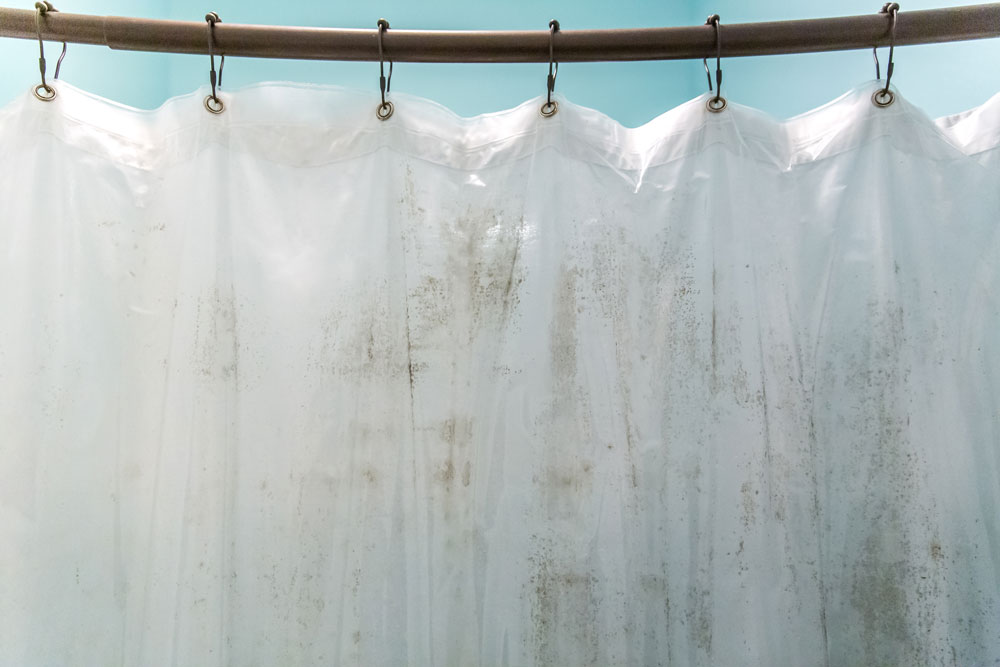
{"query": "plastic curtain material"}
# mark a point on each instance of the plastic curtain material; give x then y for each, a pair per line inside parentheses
(293, 386)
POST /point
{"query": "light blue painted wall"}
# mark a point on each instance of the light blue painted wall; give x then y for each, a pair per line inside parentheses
(941, 79)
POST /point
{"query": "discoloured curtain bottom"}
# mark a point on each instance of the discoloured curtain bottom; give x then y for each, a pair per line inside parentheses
(292, 386)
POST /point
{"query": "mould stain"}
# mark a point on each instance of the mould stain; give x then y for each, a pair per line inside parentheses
(564, 611)
(652, 613)
(879, 594)
(216, 336)
(892, 575)
(568, 478)
(446, 473)
(715, 344)
(467, 280)
(608, 277)
(562, 345)
(749, 505)
(359, 339)
(698, 617)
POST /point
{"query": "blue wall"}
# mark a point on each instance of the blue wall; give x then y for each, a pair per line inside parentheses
(942, 79)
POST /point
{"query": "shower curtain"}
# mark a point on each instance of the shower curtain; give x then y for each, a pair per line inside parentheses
(293, 386)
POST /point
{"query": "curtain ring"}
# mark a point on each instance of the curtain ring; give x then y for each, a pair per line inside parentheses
(884, 97)
(385, 109)
(49, 93)
(550, 107)
(717, 103)
(212, 103)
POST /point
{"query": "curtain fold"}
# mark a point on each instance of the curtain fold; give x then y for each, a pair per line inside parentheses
(290, 385)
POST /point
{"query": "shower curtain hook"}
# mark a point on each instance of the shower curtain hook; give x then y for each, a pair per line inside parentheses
(717, 103)
(385, 109)
(884, 97)
(50, 92)
(212, 102)
(550, 107)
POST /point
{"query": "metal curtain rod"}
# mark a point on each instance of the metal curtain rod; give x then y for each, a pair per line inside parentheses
(514, 46)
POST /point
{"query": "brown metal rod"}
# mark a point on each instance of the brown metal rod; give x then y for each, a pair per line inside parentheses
(516, 46)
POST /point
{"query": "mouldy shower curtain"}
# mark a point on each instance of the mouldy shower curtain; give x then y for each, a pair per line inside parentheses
(290, 385)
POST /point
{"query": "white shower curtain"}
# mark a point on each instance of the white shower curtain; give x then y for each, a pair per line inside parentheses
(293, 386)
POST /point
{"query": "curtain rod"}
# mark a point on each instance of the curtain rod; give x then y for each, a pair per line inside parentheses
(513, 46)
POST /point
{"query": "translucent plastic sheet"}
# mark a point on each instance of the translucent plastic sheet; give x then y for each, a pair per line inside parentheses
(293, 386)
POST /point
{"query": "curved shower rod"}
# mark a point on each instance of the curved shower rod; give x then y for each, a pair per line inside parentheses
(514, 46)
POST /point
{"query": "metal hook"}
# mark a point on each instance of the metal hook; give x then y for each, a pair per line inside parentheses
(62, 55)
(59, 61)
(717, 103)
(50, 92)
(550, 107)
(385, 109)
(884, 97)
(212, 102)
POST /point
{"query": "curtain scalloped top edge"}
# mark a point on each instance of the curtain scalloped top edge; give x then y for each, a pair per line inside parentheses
(302, 125)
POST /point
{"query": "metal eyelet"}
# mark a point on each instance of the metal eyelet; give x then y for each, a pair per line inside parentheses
(384, 110)
(883, 98)
(218, 107)
(716, 104)
(549, 109)
(50, 92)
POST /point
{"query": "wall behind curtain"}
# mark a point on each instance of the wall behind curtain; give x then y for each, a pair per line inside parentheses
(941, 79)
